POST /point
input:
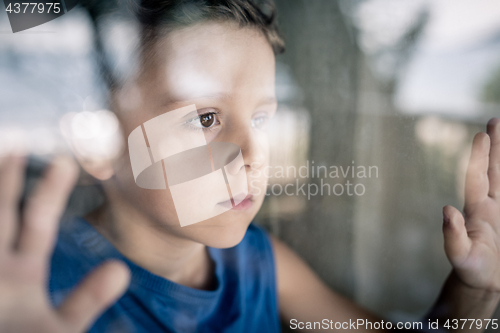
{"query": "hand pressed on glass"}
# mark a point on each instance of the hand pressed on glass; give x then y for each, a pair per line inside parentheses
(472, 242)
(25, 250)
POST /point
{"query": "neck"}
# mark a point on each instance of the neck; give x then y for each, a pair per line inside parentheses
(151, 246)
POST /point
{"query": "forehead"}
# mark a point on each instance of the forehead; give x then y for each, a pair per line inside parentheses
(210, 59)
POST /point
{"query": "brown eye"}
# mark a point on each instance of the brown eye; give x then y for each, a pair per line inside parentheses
(207, 120)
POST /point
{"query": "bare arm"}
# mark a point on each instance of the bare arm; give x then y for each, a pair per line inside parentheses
(303, 297)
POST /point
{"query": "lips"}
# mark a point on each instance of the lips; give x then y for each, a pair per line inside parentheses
(244, 204)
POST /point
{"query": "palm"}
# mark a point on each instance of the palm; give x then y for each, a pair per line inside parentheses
(472, 243)
(25, 253)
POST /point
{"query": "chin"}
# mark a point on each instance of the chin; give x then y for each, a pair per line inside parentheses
(227, 237)
(221, 232)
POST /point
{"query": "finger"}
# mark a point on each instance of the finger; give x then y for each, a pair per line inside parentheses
(44, 207)
(457, 243)
(476, 181)
(494, 167)
(11, 187)
(97, 291)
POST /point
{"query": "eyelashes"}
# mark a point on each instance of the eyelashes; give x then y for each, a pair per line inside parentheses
(207, 121)
(260, 123)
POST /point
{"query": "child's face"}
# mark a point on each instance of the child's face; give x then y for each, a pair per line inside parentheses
(228, 72)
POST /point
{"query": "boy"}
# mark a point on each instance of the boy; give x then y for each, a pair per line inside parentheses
(221, 274)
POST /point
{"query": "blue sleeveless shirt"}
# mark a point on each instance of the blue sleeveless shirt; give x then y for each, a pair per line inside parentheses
(245, 299)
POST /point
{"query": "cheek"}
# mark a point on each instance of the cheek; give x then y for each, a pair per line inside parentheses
(157, 205)
(262, 139)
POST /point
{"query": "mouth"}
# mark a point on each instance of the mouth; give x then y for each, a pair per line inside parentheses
(245, 204)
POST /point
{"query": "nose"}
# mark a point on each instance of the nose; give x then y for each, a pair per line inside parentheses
(253, 145)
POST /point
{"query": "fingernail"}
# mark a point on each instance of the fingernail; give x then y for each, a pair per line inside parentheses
(446, 218)
(494, 122)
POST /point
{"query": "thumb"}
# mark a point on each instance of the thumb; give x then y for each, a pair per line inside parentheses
(457, 243)
(94, 294)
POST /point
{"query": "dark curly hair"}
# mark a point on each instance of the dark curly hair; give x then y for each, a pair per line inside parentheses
(156, 16)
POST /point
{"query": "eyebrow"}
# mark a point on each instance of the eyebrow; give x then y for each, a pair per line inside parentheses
(219, 96)
(268, 100)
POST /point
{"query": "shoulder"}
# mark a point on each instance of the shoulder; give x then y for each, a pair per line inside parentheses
(291, 270)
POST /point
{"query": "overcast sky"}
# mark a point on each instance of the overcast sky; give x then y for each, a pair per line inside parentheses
(453, 58)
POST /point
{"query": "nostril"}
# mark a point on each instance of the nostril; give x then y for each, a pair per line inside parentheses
(254, 165)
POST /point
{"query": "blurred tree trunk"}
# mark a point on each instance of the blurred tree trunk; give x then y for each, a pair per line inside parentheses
(322, 56)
